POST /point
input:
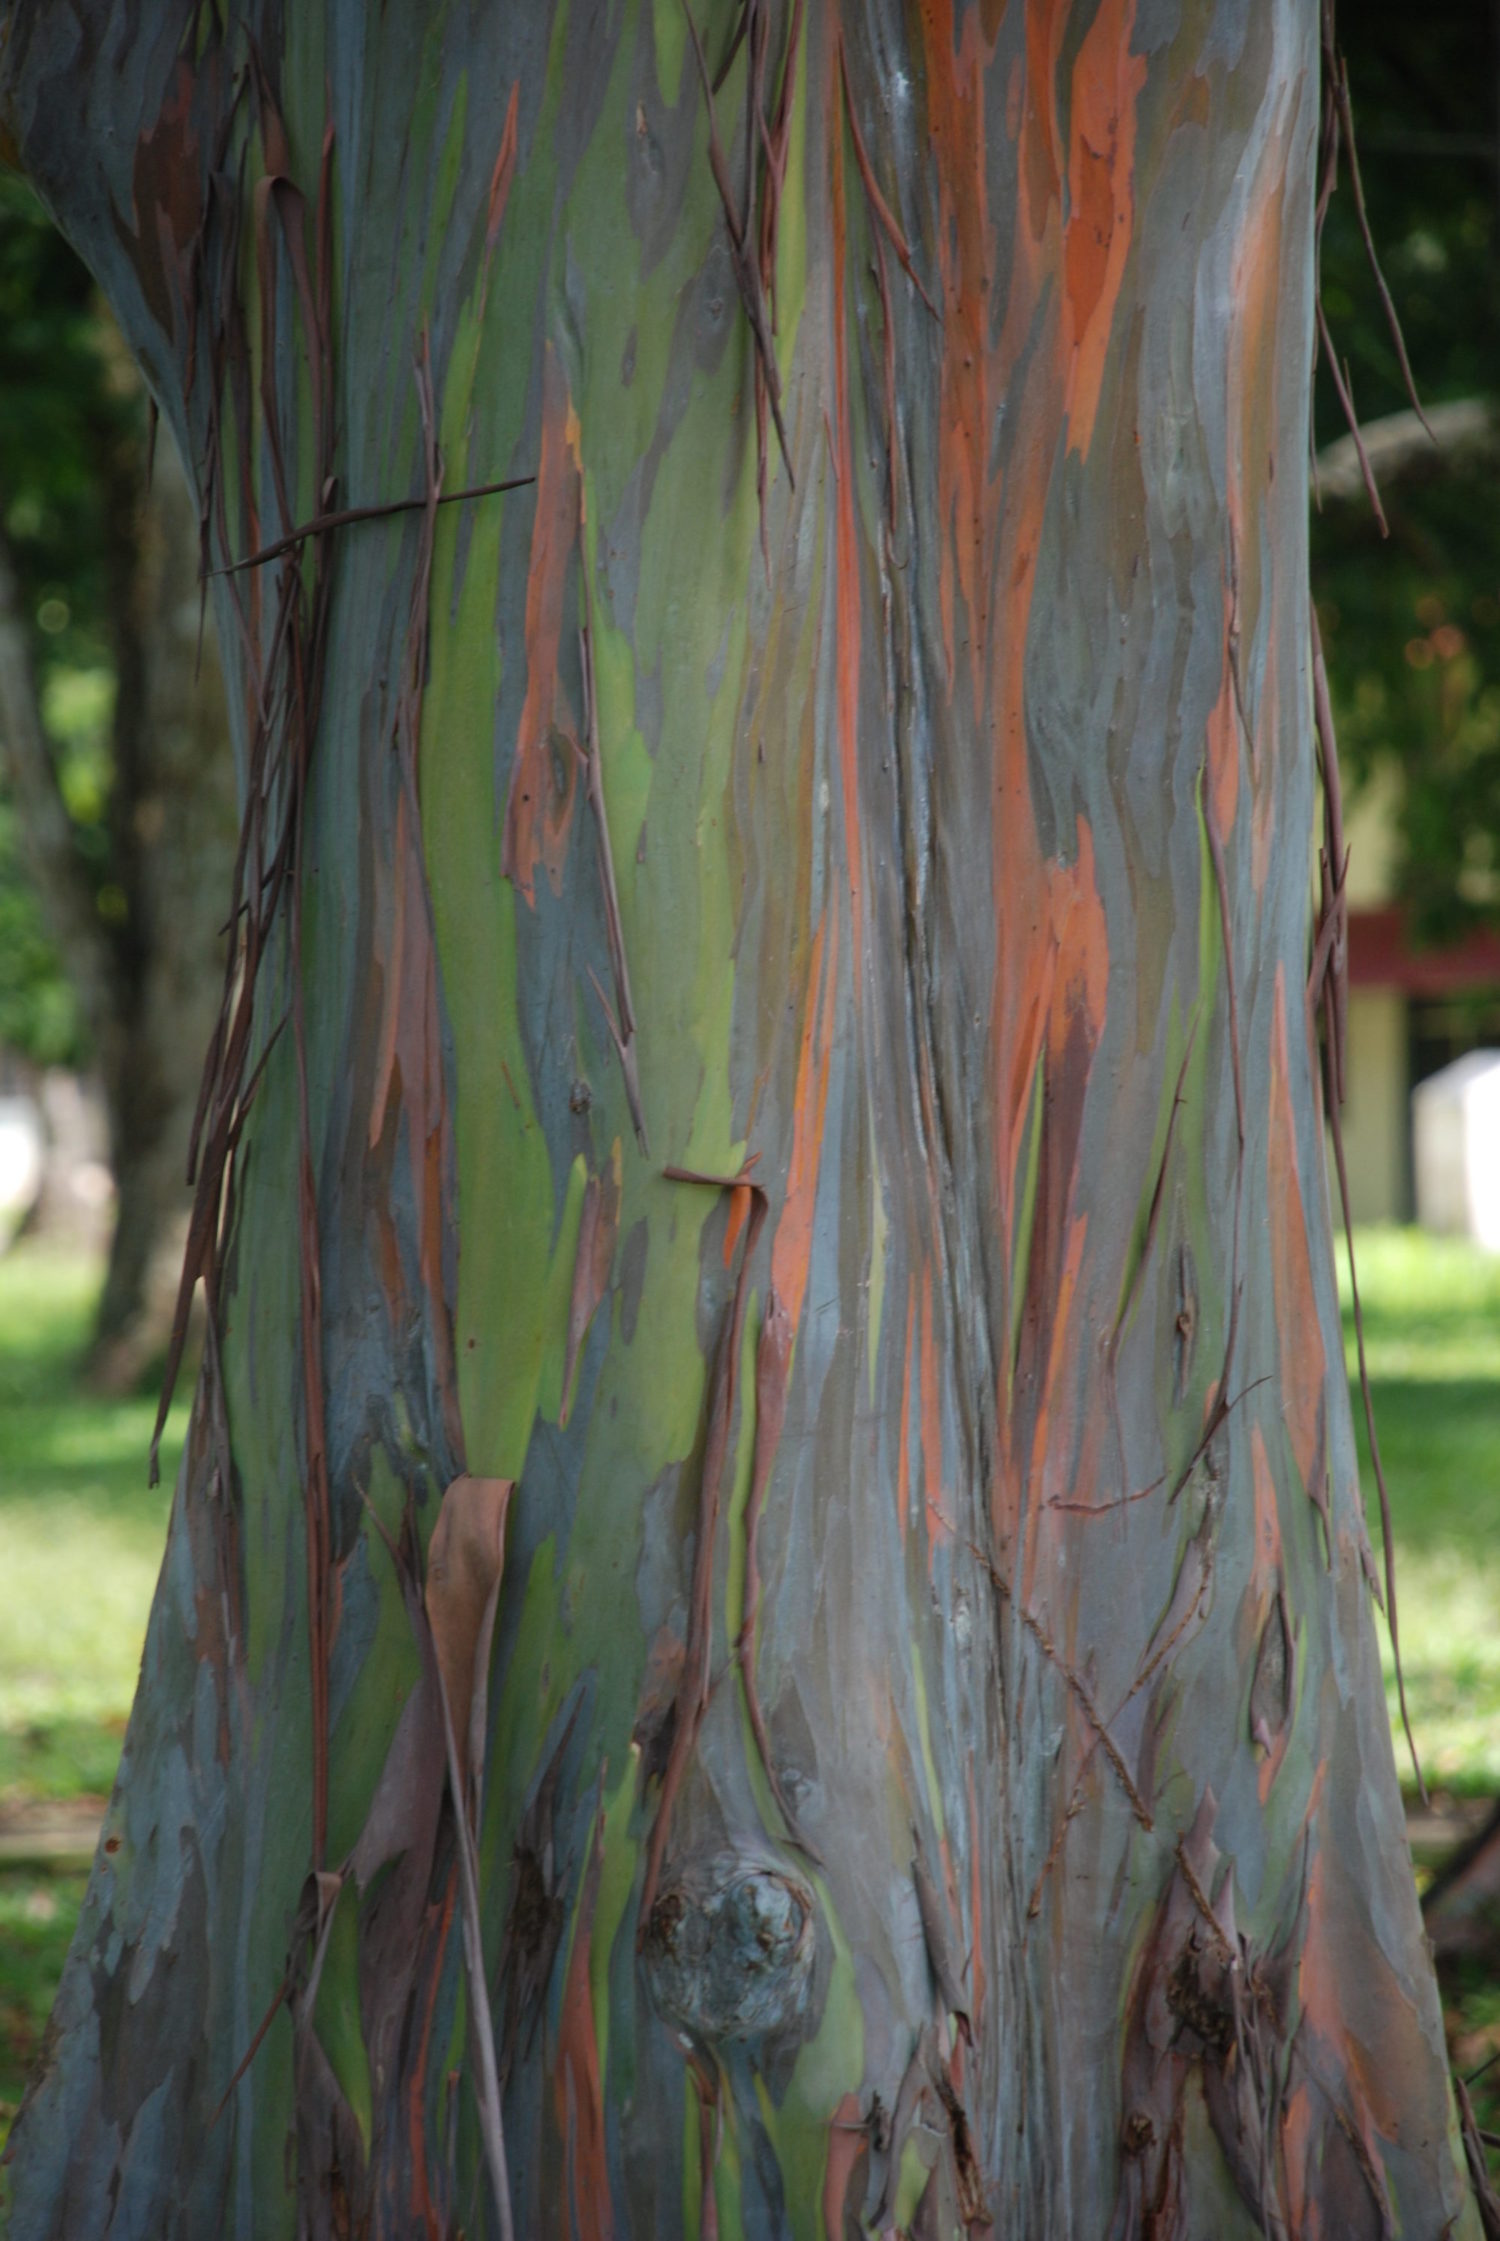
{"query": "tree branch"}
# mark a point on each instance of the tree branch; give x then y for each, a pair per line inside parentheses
(1399, 443)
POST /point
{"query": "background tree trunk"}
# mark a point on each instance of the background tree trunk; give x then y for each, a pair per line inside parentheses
(145, 950)
(176, 823)
(935, 1767)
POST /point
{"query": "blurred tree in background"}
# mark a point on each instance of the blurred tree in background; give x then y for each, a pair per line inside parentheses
(117, 816)
(1412, 625)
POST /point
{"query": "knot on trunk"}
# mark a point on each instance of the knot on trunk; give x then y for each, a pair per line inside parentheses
(729, 1949)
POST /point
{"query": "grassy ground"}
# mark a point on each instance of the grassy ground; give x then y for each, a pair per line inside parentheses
(1432, 1330)
(81, 1537)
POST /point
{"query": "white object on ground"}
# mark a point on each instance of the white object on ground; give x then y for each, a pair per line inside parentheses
(1456, 1148)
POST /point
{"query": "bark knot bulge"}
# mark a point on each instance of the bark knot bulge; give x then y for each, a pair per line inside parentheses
(729, 1948)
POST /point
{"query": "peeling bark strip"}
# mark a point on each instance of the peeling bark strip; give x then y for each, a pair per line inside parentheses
(922, 1765)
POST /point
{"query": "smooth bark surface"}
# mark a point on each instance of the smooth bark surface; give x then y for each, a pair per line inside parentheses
(791, 1110)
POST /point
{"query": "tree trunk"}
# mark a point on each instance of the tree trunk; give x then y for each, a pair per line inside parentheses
(144, 948)
(789, 1104)
(174, 842)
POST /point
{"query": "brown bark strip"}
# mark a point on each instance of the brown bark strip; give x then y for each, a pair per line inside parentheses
(1328, 985)
(500, 179)
(1338, 126)
(772, 1357)
(624, 1028)
(1127, 1305)
(747, 275)
(1478, 2163)
(466, 1560)
(1075, 1682)
(938, 1936)
(878, 203)
(321, 524)
(693, 1686)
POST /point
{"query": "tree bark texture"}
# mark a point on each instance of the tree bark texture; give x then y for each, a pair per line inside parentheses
(769, 1066)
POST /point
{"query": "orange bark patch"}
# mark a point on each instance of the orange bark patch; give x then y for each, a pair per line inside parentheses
(543, 785)
(1304, 1363)
(1267, 1561)
(1107, 80)
(504, 171)
(791, 1251)
(847, 2140)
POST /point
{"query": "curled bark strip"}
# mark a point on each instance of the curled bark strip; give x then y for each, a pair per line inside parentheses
(938, 1936)
(321, 524)
(1336, 99)
(878, 203)
(968, 2179)
(466, 1559)
(1075, 1682)
(623, 1028)
(1137, 1276)
(746, 273)
(916, 2080)
(1328, 985)
(693, 1684)
(1479, 2171)
(1346, 400)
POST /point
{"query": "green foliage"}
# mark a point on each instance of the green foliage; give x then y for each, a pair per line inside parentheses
(1412, 626)
(68, 403)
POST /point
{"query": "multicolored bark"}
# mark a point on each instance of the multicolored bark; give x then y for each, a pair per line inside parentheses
(794, 1052)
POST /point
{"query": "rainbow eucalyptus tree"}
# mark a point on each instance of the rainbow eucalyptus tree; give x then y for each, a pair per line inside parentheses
(766, 1625)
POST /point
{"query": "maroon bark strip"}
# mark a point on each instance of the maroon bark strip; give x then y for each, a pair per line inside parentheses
(1338, 125)
(915, 2084)
(776, 141)
(693, 1686)
(1137, 1278)
(1478, 2163)
(772, 1356)
(937, 1933)
(1075, 1682)
(710, 2129)
(747, 276)
(623, 1028)
(878, 203)
(463, 1594)
(1346, 401)
(1329, 985)
(320, 524)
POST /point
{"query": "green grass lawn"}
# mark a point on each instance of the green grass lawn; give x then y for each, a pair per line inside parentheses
(1432, 1332)
(81, 1538)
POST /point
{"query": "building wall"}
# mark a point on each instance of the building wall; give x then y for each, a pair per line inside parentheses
(1376, 1123)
